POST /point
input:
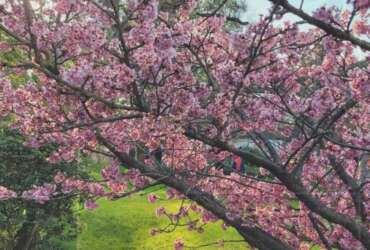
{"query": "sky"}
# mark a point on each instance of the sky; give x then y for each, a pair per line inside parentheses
(255, 8)
(260, 7)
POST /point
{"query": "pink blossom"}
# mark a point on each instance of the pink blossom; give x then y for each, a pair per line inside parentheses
(132, 4)
(362, 4)
(117, 187)
(361, 27)
(40, 194)
(323, 14)
(59, 178)
(63, 6)
(153, 232)
(152, 198)
(91, 204)
(170, 193)
(95, 189)
(160, 211)
(189, 86)
(6, 193)
(179, 244)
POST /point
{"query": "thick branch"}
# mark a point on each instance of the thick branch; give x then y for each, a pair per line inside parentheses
(354, 188)
(319, 231)
(338, 33)
(293, 184)
(253, 235)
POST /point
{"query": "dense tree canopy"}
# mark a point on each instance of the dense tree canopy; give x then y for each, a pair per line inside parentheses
(117, 77)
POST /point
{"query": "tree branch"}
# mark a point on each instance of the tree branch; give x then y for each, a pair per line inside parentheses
(293, 184)
(354, 188)
(252, 234)
(335, 32)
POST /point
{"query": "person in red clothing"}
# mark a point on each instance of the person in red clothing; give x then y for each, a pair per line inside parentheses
(238, 164)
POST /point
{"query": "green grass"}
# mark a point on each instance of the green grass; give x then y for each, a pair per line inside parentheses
(126, 224)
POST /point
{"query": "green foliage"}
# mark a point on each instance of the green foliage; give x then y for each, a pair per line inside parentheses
(234, 8)
(315, 247)
(295, 204)
(13, 57)
(27, 222)
(231, 8)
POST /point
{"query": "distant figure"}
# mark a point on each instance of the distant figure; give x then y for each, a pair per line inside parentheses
(238, 164)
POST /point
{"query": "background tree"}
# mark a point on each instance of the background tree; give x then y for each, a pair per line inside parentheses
(25, 224)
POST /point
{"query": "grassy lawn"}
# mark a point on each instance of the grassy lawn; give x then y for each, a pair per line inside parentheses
(126, 224)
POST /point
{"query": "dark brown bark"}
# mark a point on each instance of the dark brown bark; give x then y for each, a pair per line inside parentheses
(343, 35)
(255, 236)
(294, 184)
(354, 188)
(25, 236)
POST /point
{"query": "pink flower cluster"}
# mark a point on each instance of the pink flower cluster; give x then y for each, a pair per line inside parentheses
(40, 194)
(5, 193)
(293, 97)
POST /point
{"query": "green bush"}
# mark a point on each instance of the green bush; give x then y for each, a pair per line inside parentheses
(27, 224)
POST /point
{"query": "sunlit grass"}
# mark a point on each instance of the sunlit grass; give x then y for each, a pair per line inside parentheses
(126, 224)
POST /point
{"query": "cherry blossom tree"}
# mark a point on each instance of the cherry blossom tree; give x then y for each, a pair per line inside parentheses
(110, 77)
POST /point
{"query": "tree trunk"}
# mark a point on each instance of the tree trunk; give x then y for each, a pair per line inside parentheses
(25, 236)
